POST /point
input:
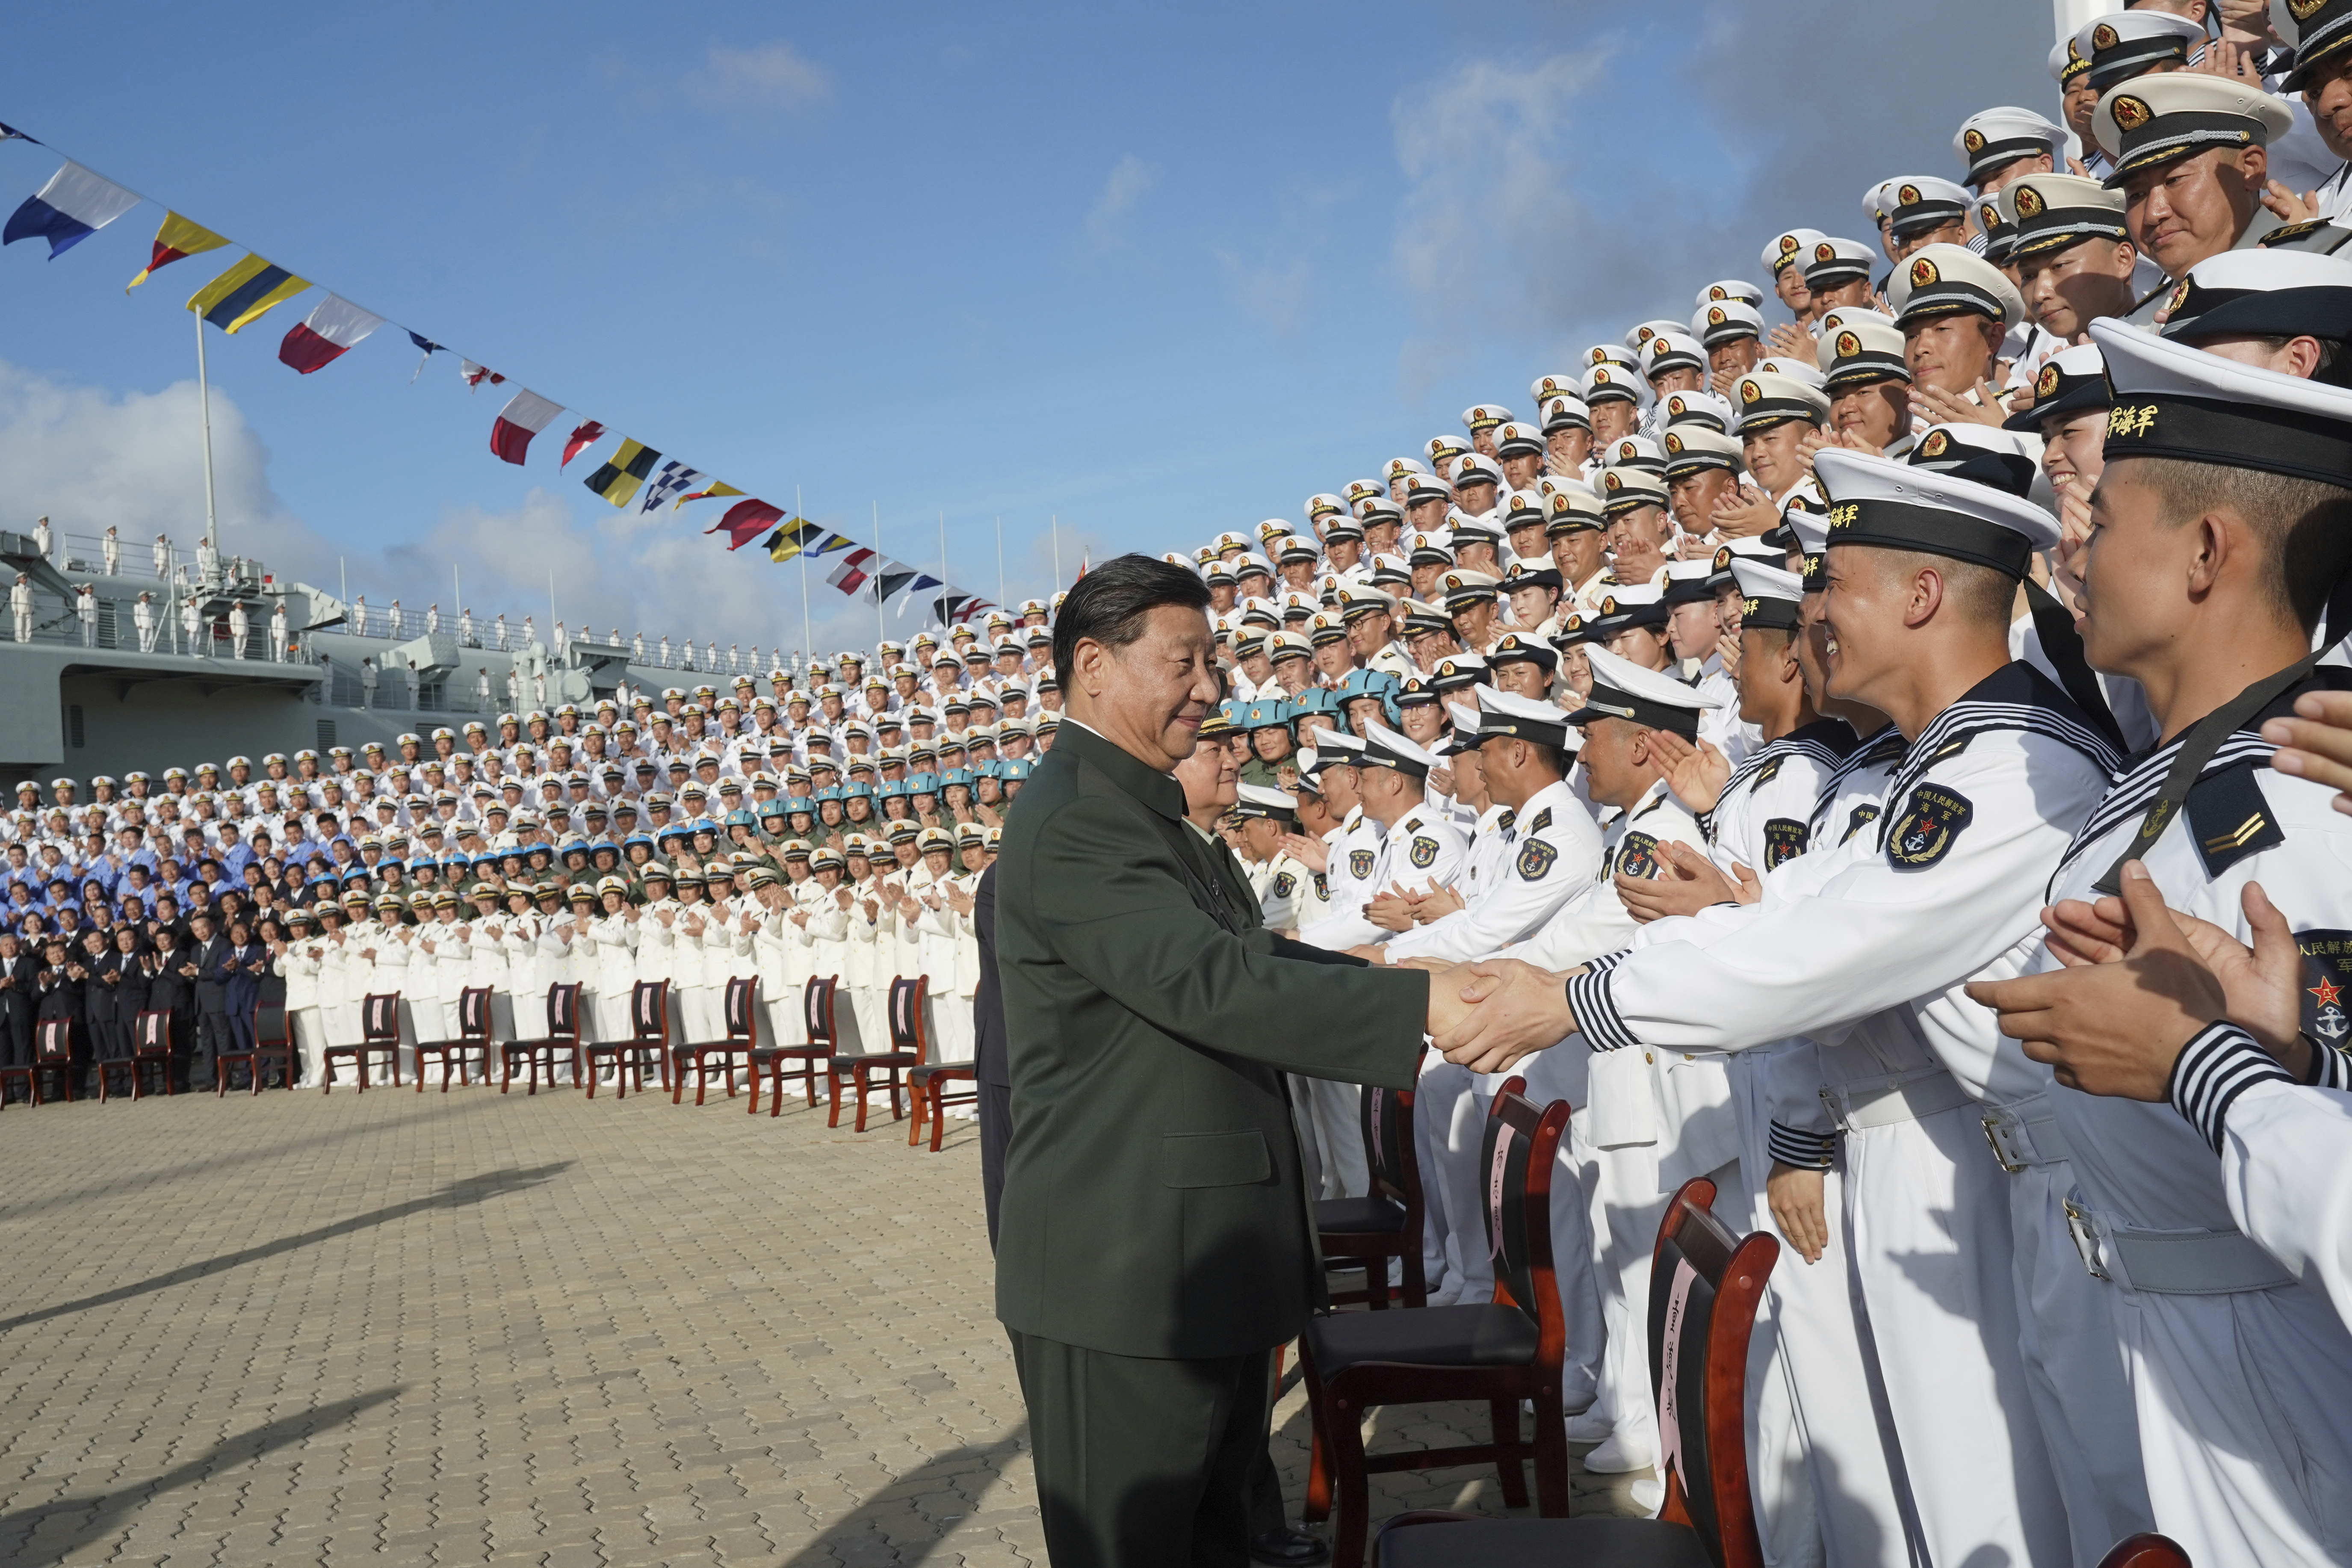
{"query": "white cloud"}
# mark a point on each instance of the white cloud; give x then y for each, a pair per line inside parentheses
(1275, 294)
(762, 76)
(1129, 179)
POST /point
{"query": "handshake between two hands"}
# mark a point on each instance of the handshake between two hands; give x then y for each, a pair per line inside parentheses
(1487, 1016)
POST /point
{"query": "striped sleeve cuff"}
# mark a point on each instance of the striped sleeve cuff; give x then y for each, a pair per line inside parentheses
(1596, 1014)
(1796, 1146)
(2220, 1063)
(1609, 961)
(2331, 1068)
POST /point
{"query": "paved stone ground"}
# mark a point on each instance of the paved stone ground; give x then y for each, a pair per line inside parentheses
(549, 1330)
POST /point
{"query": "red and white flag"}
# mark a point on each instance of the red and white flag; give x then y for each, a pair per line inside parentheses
(525, 415)
(476, 374)
(854, 568)
(586, 436)
(320, 337)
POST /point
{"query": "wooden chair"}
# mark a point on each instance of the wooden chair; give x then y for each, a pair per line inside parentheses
(150, 1050)
(53, 1054)
(1705, 1284)
(908, 1050)
(562, 1036)
(817, 1001)
(273, 1040)
(2145, 1549)
(1502, 1351)
(1386, 1222)
(742, 1022)
(927, 1085)
(648, 1039)
(128, 1066)
(379, 1031)
(473, 1039)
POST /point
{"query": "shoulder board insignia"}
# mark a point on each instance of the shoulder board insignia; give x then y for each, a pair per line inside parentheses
(1769, 771)
(1784, 840)
(1649, 808)
(1360, 864)
(1536, 857)
(1637, 856)
(1864, 815)
(1954, 747)
(2327, 976)
(1423, 854)
(1931, 821)
(1284, 884)
(1542, 821)
(1508, 820)
(2230, 819)
(1413, 825)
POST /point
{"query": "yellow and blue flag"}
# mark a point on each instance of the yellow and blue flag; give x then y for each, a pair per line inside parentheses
(244, 293)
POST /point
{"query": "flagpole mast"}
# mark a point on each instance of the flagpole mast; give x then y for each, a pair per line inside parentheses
(808, 654)
(879, 560)
(944, 589)
(204, 404)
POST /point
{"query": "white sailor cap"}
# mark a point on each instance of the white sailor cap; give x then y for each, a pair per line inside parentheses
(1635, 452)
(1511, 716)
(1799, 370)
(1397, 468)
(1513, 440)
(1991, 139)
(1384, 748)
(1695, 448)
(2052, 212)
(1443, 449)
(1256, 800)
(1465, 588)
(1638, 339)
(1484, 416)
(2068, 60)
(1629, 489)
(1325, 505)
(2071, 381)
(1790, 248)
(1725, 321)
(2178, 402)
(1767, 400)
(1570, 506)
(2158, 119)
(1471, 467)
(1617, 383)
(1833, 261)
(1624, 689)
(1728, 288)
(1702, 408)
(2263, 293)
(1922, 202)
(1894, 505)
(1672, 350)
(1768, 596)
(2126, 44)
(2316, 30)
(1361, 491)
(1566, 411)
(1951, 281)
(2001, 458)
(1544, 388)
(1858, 353)
(1878, 199)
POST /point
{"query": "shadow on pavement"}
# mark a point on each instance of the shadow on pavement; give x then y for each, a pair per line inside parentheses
(888, 1527)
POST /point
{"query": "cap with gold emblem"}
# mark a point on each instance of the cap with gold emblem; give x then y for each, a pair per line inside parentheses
(1693, 450)
(1700, 409)
(1918, 203)
(2316, 30)
(1894, 505)
(1991, 139)
(2055, 211)
(2126, 44)
(1672, 352)
(1792, 247)
(1566, 411)
(1484, 416)
(1513, 440)
(1635, 452)
(1864, 347)
(1721, 321)
(1990, 456)
(1614, 383)
(1544, 388)
(1629, 489)
(1767, 400)
(2071, 381)
(2155, 120)
(1833, 261)
(2266, 294)
(1463, 588)
(1952, 280)
(1570, 506)
(1729, 288)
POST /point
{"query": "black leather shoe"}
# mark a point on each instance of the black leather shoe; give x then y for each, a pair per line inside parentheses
(1289, 1549)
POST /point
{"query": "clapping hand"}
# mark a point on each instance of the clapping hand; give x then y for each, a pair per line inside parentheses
(2115, 1024)
(1694, 770)
(1941, 407)
(1311, 853)
(2316, 744)
(1694, 884)
(1745, 514)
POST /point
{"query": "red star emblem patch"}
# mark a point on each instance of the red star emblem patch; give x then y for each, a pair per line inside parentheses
(2327, 991)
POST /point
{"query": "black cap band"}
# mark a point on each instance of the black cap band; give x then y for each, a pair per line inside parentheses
(1767, 614)
(1608, 702)
(1932, 531)
(2231, 435)
(2169, 136)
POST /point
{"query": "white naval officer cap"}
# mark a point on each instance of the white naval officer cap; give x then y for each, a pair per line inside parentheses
(2178, 402)
(1769, 594)
(1720, 322)
(1728, 288)
(1992, 139)
(1624, 689)
(2126, 44)
(1521, 718)
(1384, 748)
(1790, 248)
(1951, 281)
(2155, 120)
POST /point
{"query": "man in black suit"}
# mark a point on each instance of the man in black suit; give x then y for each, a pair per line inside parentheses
(20, 972)
(988, 1053)
(209, 957)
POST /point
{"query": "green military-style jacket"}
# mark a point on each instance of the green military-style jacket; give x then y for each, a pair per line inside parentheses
(1153, 1200)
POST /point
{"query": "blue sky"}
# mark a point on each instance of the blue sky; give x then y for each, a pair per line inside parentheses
(1158, 272)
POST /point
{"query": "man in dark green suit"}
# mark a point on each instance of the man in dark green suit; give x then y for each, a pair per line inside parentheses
(1156, 1238)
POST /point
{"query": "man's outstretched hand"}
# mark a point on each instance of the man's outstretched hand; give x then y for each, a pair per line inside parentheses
(1512, 1009)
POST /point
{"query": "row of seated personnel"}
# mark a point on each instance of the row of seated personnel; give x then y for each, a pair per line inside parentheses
(901, 1051)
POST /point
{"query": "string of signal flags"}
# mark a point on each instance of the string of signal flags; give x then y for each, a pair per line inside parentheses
(76, 202)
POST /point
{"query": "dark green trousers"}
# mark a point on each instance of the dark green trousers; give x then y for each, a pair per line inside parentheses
(1141, 1462)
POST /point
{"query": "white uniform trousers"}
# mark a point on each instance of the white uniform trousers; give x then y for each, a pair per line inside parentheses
(871, 1003)
(310, 1040)
(1338, 1114)
(1440, 1088)
(1928, 1227)
(1562, 1072)
(1779, 1485)
(953, 1014)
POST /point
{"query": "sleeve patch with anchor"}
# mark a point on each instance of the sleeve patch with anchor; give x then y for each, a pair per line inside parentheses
(1424, 853)
(1931, 822)
(1784, 840)
(1637, 856)
(1536, 857)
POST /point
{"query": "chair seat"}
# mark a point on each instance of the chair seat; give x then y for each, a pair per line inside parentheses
(1486, 1335)
(1590, 1541)
(1358, 1215)
(877, 1060)
(930, 1070)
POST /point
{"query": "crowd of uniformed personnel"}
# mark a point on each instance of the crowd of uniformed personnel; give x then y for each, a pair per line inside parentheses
(1764, 684)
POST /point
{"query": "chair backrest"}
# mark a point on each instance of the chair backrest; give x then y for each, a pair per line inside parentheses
(1387, 1147)
(649, 1012)
(1518, 1157)
(380, 1018)
(2145, 1549)
(53, 1038)
(1705, 1284)
(906, 1013)
(817, 1008)
(474, 1013)
(152, 1032)
(742, 1000)
(270, 1029)
(564, 1010)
